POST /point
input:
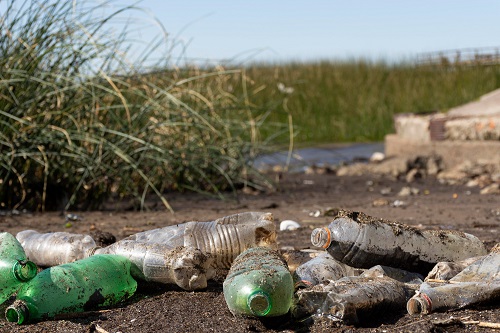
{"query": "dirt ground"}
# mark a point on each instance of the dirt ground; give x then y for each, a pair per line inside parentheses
(300, 197)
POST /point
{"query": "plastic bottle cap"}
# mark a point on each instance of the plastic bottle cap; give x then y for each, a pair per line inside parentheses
(321, 237)
(259, 303)
(24, 270)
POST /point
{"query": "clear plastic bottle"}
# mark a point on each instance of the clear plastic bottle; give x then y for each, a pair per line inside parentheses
(350, 298)
(187, 267)
(259, 284)
(15, 269)
(224, 238)
(362, 241)
(91, 283)
(321, 269)
(55, 248)
(478, 282)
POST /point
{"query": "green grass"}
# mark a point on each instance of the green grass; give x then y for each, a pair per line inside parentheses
(80, 124)
(356, 101)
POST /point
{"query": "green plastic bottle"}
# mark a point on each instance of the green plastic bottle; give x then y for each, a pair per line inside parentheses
(259, 284)
(98, 281)
(15, 269)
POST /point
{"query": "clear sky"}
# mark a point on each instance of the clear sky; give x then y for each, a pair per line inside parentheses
(277, 30)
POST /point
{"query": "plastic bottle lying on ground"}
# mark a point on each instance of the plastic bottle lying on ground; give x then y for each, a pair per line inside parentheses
(55, 248)
(86, 284)
(362, 241)
(478, 282)
(446, 270)
(321, 269)
(15, 269)
(187, 267)
(350, 298)
(258, 284)
(224, 238)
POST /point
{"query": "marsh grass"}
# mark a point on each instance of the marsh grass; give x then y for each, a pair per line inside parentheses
(355, 101)
(79, 124)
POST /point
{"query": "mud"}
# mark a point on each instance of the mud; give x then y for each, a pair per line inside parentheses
(307, 199)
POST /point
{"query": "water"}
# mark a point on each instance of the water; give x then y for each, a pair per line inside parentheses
(319, 156)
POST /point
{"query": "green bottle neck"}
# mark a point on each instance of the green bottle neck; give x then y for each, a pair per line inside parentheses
(259, 303)
(24, 270)
(18, 312)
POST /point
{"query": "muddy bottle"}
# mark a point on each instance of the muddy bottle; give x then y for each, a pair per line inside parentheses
(187, 267)
(224, 238)
(321, 269)
(478, 282)
(350, 298)
(258, 284)
(94, 282)
(15, 269)
(55, 248)
(362, 241)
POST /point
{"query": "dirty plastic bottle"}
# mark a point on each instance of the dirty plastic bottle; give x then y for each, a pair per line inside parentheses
(224, 238)
(445, 270)
(187, 267)
(321, 269)
(15, 269)
(478, 282)
(55, 248)
(350, 298)
(362, 241)
(87, 284)
(259, 284)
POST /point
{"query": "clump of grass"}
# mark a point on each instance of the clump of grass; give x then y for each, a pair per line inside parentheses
(73, 132)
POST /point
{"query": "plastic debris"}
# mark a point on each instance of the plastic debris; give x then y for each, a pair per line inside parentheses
(289, 225)
(91, 283)
(258, 284)
(362, 241)
(15, 269)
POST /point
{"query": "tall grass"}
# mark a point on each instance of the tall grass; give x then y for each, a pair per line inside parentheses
(73, 132)
(355, 101)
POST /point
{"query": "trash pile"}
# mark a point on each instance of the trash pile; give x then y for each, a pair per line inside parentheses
(366, 264)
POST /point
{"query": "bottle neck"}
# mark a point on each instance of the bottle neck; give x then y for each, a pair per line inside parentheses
(321, 237)
(24, 270)
(18, 312)
(259, 303)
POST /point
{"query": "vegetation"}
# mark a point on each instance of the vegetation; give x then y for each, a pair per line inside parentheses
(79, 124)
(355, 101)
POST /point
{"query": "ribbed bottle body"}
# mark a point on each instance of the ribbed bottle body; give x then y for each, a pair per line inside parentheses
(258, 284)
(87, 284)
(55, 248)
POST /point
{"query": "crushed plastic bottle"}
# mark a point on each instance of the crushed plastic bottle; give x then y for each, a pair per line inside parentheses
(259, 284)
(477, 283)
(55, 248)
(362, 241)
(98, 281)
(187, 267)
(321, 269)
(15, 269)
(445, 270)
(224, 238)
(350, 298)
(397, 274)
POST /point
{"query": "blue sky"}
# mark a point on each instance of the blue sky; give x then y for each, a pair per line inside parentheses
(321, 29)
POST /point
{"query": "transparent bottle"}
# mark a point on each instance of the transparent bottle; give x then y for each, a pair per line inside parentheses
(350, 298)
(224, 238)
(87, 284)
(478, 282)
(321, 269)
(362, 241)
(15, 269)
(55, 248)
(187, 267)
(259, 284)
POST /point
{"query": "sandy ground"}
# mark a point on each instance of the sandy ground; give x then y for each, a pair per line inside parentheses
(300, 197)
